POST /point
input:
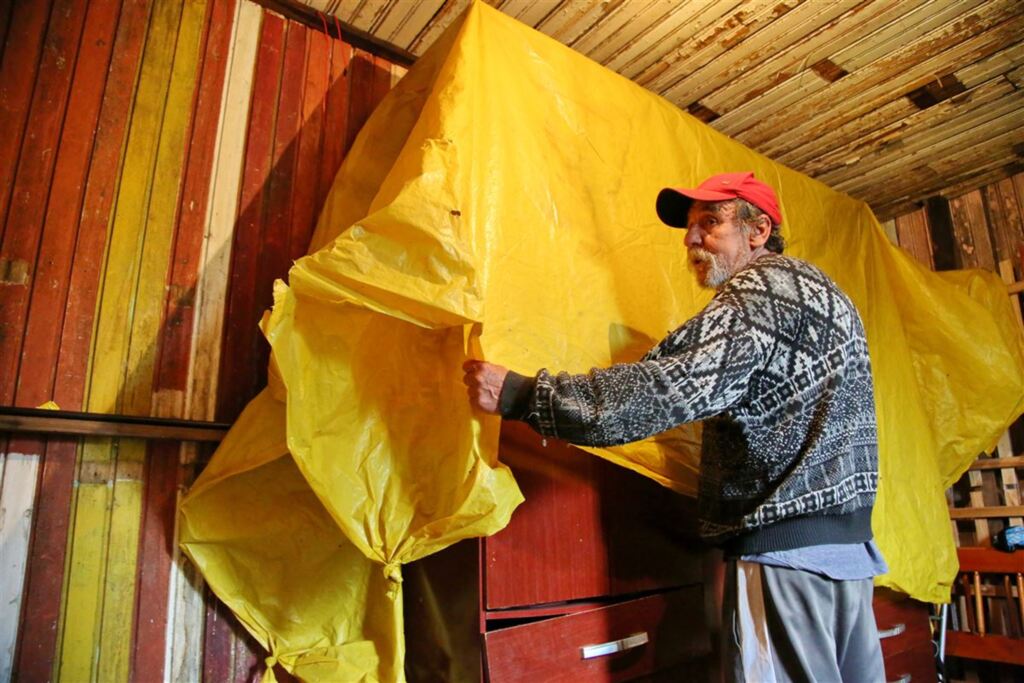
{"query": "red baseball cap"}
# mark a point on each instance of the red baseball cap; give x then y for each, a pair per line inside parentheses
(674, 202)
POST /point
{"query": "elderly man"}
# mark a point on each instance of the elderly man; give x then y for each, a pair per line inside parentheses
(777, 367)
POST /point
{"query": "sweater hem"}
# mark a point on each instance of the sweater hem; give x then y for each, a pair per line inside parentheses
(799, 532)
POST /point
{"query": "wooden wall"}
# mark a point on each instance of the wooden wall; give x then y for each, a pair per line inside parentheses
(161, 163)
(984, 229)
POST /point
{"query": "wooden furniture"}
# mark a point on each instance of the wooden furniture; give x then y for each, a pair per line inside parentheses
(599, 577)
(991, 594)
(907, 647)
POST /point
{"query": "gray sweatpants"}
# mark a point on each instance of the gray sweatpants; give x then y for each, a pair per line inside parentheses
(790, 625)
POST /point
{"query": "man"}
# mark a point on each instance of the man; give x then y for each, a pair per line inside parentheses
(777, 367)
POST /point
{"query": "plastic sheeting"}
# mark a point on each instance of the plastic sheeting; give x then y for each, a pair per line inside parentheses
(500, 204)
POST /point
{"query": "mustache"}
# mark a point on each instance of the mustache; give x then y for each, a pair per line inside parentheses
(699, 255)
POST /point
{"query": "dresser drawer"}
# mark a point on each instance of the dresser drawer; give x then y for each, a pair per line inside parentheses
(912, 666)
(902, 623)
(621, 642)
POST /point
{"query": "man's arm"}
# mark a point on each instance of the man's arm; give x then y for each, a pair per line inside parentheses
(704, 369)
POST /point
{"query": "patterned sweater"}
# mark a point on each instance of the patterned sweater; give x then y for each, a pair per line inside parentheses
(777, 366)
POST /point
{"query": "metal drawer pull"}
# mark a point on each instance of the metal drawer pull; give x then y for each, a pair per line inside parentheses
(602, 649)
(894, 631)
(905, 678)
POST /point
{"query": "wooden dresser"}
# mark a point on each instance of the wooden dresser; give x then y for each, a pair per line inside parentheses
(903, 625)
(599, 577)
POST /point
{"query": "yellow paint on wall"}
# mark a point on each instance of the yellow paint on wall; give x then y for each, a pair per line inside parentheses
(160, 220)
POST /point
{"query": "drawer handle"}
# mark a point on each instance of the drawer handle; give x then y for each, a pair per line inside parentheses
(905, 678)
(894, 631)
(610, 648)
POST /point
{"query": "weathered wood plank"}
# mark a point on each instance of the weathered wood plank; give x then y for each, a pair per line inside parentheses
(79, 634)
(1005, 221)
(746, 27)
(19, 65)
(912, 230)
(119, 587)
(970, 228)
(32, 180)
(928, 136)
(744, 91)
(185, 601)
(247, 246)
(160, 213)
(171, 380)
(999, 462)
(110, 361)
(18, 472)
(211, 288)
(864, 139)
(60, 235)
(335, 119)
(41, 598)
(969, 37)
(974, 154)
(448, 13)
(401, 28)
(101, 187)
(674, 30)
(572, 18)
(987, 512)
(311, 143)
(1008, 479)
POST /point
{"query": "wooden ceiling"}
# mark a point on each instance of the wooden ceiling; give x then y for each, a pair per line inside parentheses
(891, 101)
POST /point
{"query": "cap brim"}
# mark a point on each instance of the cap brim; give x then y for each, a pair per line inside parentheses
(673, 204)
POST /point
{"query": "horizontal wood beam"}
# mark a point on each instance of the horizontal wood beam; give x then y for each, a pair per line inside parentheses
(989, 560)
(989, 648)
(355, 37)
(987, 512)
(36, 421)
(997, 463)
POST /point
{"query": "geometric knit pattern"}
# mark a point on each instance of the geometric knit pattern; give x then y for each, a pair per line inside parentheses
(777, 366)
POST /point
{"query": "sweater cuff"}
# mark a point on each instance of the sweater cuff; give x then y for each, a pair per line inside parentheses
(514, 400)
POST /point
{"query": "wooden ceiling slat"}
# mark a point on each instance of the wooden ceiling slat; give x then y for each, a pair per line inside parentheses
(614, 22)
(841, 140)
(918, 182)
(902, 71)
(442, 20)
(915, 24)
(575, 17)
(727, 32)
(788, 30)
(901, 132)
(1002, 62)
(530, 12)
(368, 14)
(642, 19)
(673, 30)
(997, 117)
(402, 27)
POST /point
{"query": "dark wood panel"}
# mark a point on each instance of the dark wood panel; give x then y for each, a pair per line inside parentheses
(989, 648)
(896, 611)
(917, 663)
(550, 650)
(554, 549)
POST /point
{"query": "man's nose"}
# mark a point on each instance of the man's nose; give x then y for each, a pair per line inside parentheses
(692, 238)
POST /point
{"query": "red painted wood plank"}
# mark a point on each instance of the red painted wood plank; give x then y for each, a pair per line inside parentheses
(32, 181)
(240, 320)
(175, 347)
(59, 233)
(273, 261)
(100, 188)
(335, 119)
(18, 68)
(218, 642)
(311, 144)
(40, 605)
(6, 10)
(361, 101)
(154, 561)
(381, 79)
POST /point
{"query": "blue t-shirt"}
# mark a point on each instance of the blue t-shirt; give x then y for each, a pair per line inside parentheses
(837, 561)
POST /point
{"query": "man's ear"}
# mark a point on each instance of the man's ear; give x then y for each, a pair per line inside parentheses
(760, 231)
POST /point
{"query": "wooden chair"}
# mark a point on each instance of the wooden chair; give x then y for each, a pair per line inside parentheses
(1002, 587)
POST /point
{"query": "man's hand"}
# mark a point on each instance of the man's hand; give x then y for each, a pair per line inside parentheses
(484, 381)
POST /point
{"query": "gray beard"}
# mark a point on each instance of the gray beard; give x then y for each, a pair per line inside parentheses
(717, 273)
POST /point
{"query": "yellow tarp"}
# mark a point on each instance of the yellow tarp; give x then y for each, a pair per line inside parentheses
(500, 203)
